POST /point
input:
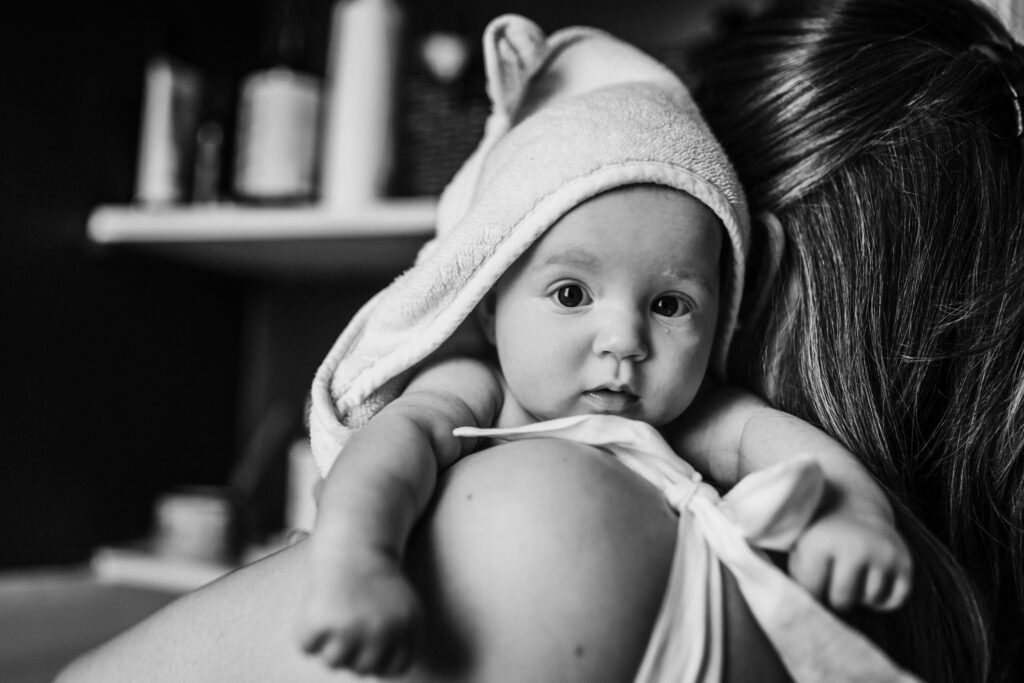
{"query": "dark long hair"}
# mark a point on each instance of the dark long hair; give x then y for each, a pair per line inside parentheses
(887, 148)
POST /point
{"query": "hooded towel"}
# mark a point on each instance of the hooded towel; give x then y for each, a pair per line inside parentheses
(573, 115)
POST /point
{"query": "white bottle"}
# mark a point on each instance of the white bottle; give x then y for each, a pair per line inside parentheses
(358, 130)
(277, 126)
(170, 113)
(279, 111)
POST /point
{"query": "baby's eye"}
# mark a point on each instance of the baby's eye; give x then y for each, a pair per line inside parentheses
(571, 296)
(671, 306)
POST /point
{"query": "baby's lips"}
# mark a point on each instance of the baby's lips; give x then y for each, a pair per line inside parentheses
(609, 400)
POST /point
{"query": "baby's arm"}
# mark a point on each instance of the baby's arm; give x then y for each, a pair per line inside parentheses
(359, 611)
(851, 553)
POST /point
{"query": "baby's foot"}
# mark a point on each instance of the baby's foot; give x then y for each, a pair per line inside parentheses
(361, 616)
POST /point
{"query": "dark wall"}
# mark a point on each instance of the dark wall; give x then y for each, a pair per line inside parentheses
(118, 372)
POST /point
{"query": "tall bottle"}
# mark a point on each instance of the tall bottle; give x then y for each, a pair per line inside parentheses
(358, 125)
(170, 111)
(279, 107)
(173, 94)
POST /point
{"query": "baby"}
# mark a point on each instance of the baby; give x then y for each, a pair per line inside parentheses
(606, 276)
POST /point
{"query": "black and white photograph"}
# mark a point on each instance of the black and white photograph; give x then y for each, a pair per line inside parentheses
(512, 342)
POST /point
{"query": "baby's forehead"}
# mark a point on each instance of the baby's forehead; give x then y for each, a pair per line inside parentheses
(640, 209)
(659, 229)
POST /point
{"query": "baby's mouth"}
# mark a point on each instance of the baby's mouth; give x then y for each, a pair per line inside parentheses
(609, 400)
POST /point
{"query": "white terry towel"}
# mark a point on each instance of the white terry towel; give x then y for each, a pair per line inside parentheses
(574, 115)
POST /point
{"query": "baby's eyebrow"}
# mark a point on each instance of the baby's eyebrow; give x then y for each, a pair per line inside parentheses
(576, 256)
(692, 276)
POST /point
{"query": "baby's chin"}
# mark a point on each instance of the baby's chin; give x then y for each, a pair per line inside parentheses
(657, 416)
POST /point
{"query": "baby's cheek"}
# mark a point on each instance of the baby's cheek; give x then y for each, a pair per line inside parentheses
(676, 402)
(678, 385)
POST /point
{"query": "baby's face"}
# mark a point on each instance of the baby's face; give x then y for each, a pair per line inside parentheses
(614, 309)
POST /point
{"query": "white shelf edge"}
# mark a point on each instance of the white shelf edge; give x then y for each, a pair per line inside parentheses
(111, 224)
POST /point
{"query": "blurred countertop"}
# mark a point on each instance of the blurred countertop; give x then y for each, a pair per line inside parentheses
(48, 616)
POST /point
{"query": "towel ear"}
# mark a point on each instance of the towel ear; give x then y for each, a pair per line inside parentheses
(514, 48)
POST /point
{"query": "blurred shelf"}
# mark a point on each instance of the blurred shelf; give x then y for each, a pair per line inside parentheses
(300, 242)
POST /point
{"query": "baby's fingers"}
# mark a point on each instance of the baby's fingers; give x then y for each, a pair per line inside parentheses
(846, 584)
(811, 572)
(886, 590)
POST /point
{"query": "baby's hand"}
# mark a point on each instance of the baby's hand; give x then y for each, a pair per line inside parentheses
(846, 559)
(361, 616)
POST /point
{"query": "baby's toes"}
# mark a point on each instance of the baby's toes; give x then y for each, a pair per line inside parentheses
(370, 661)
(338, 651)
(400, 658)
(315, 637)
(322, 635)
(379, 646)
(310, 639)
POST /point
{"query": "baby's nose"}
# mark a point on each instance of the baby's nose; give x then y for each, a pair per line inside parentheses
(621, 334)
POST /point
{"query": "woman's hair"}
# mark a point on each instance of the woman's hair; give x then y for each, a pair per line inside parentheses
(884, 137)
